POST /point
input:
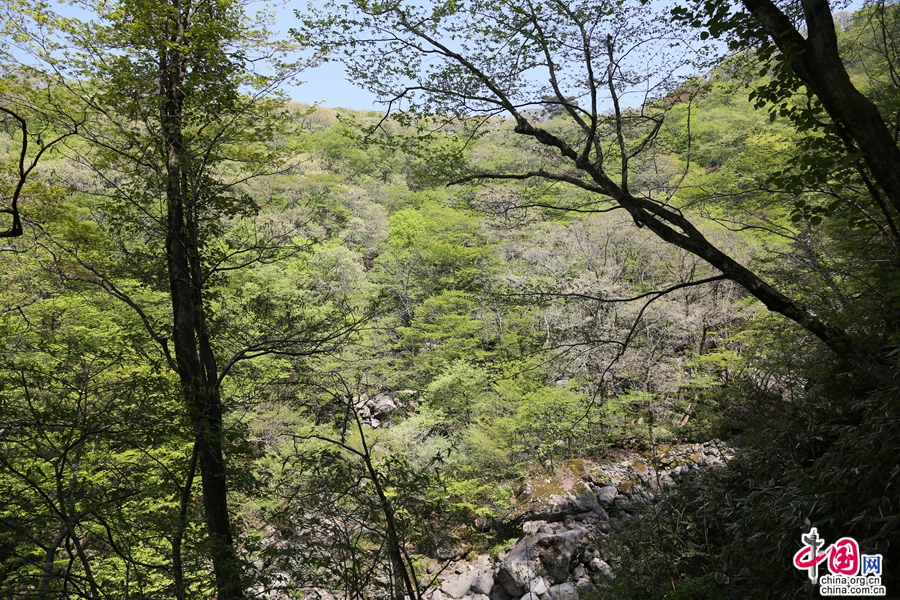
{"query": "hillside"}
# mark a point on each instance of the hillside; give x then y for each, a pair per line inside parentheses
(260, 348)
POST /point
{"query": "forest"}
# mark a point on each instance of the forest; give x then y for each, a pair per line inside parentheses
(603, 304)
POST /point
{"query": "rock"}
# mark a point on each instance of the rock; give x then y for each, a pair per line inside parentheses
(456, 586)
(563, 591)
(516, 571)
(558, 551)
(499, 593)
(530, 596)
(550, 501)
(623, 503)
(480, 597)
(532, 527)
(484, 583)
(602, 567)
(579, 572)
(382, 405)
(607, 494)
(538, 555)
(537, 586)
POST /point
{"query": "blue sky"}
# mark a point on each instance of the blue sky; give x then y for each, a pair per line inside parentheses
(327, 84)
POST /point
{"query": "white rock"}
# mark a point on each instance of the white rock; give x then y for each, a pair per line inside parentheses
(563, 591)
(483, 583)
(606, 494)
(382, 404)
(603, 567)
(537, 586)
(532, 527)
(456, 586)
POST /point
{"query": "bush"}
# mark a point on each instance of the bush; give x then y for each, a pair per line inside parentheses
(838, 473)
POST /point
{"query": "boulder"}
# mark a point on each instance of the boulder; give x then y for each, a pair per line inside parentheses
(607, 494)
(602, 567)
(382, 405)
(457, 585)
(532, 527)
(557, 553)
(539, 555)
(624, 503)
(537, 586)
(553, 501)
(483, 583)
(499, 593)
(515, 574)
(563, 591)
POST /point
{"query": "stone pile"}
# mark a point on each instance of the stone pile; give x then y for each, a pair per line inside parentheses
(563, 519)
(373, 410)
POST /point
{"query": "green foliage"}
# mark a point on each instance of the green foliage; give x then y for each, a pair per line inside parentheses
(93, 446)
(444, 329)
(458, 389)
(506, 343)
(432, 248)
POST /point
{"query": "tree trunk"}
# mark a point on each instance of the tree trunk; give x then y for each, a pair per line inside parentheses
(673, 227)
(178, 536)
(196, 364)
(816, 61)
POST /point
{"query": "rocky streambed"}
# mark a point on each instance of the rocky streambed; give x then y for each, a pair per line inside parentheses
(565, 519)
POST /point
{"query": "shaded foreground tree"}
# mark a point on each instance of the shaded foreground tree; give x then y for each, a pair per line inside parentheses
(812, 59)
(613, 69)
(177, 120)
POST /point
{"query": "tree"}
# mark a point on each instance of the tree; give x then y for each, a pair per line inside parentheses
(621, 61)
(354, 502)
(844, 132)
(177, 122)
(26, 165)
(92, 449)
(813, 59)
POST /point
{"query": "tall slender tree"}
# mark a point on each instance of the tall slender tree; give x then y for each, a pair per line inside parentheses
(179, 111)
